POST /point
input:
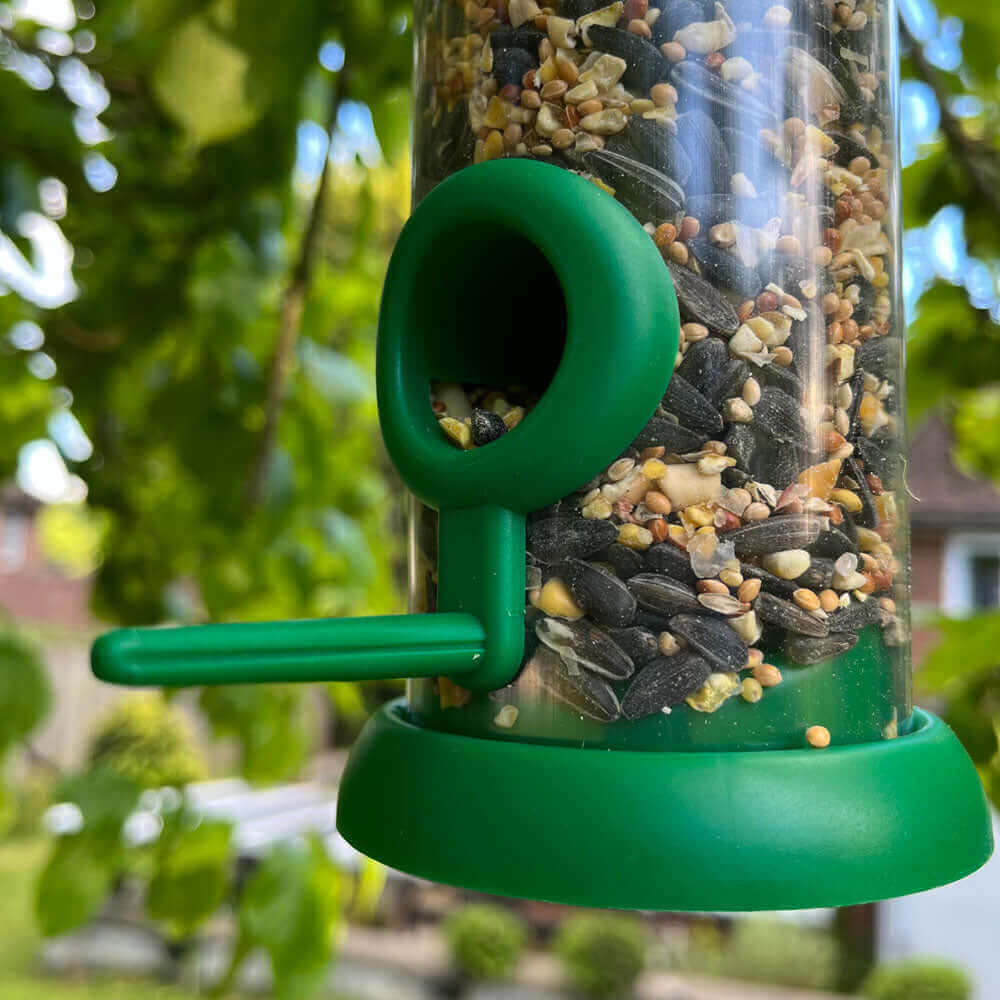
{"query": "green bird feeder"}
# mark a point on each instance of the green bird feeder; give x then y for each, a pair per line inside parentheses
(640, 364)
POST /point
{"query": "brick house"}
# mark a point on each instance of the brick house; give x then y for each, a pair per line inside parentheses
(955, 524)
(54, 609)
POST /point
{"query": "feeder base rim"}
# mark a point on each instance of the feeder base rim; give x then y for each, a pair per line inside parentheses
(701, 830)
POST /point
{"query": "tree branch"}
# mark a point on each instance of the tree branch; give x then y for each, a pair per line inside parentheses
(977, 157)
(293, 301)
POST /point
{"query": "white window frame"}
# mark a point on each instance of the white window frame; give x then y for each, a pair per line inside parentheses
(956, 568)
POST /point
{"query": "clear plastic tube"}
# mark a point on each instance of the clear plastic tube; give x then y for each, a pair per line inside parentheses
(738, 577)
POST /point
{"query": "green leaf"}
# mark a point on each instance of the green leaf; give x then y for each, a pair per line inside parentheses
(192, 872)
(267, 720)
(391, 117)
(74, 882)
(104, 797)
(203, 82)
(24, 689)
(974, 727)
(968, 648)
(290, 907)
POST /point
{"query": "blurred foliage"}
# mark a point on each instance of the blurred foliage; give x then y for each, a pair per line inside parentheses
(25, 696)
(149, 741)
(602, 953)
(485, 940)
(761, 950)
(214, 337)
(918, 980)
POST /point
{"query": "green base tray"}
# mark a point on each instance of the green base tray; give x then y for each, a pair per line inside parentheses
(704, 830)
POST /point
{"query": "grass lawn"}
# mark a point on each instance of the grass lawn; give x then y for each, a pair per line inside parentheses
(20, 975)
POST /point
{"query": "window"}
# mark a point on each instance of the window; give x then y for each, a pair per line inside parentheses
(970, 579)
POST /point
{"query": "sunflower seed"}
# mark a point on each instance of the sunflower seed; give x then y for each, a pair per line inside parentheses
(638, 644)
(807, 651)
(668, 560)
(700, 139)
(699, 87)
(705, 362)
(774, 611)
(662, 595)
(715, 640)
(599, 592)
(646, 64)
(701, 303)
(558, 538)
(783, 531)
(690, 407)
(649, 195)
(663, 682)
(586, 693)
(510, 65)
(725, 269)
(856, 616)
(582, 644)
(660, 432)
(625, 562)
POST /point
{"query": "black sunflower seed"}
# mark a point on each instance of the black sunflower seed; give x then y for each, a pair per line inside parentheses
(819, 575)
(832, 543)
(785, 614)
(807, 651)
(558, 538)
(638, 644)
(509, 65)
(698, 87)
(730, 384)
(690, 407)
(584, 692)
(856, 616)
(741, 444)
(713, 639)
(661, 432)
(668, 560)
(649, 195)
(676, 14)
(774, 534)
(704, 365)
(779, 417)
(585, 645)
(647, 66)
(700, 139)
(663, 682)
(701, 303)
(654, 144)
(599, 592)
(487, 426)
(725, 269)
(711, 209)
(663, 596)
(881, 356)
(867, 517)
(624, 561)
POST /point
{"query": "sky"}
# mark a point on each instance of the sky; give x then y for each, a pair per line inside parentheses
(934, 252)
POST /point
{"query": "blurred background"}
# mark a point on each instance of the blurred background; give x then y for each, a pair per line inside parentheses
(197, 202)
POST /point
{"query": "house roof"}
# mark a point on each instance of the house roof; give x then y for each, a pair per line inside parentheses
(942, 495)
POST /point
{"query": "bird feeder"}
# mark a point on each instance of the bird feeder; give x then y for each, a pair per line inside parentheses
(640, 364)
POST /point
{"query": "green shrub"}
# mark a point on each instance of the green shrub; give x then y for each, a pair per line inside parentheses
(602, 953)
(918, 980)
(485, 940)
(759, 950)
(148, 740)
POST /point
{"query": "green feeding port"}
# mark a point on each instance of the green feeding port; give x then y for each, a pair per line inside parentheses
(662, 659)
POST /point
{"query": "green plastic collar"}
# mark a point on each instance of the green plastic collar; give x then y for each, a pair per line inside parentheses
(517, 273)
(707, 830)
